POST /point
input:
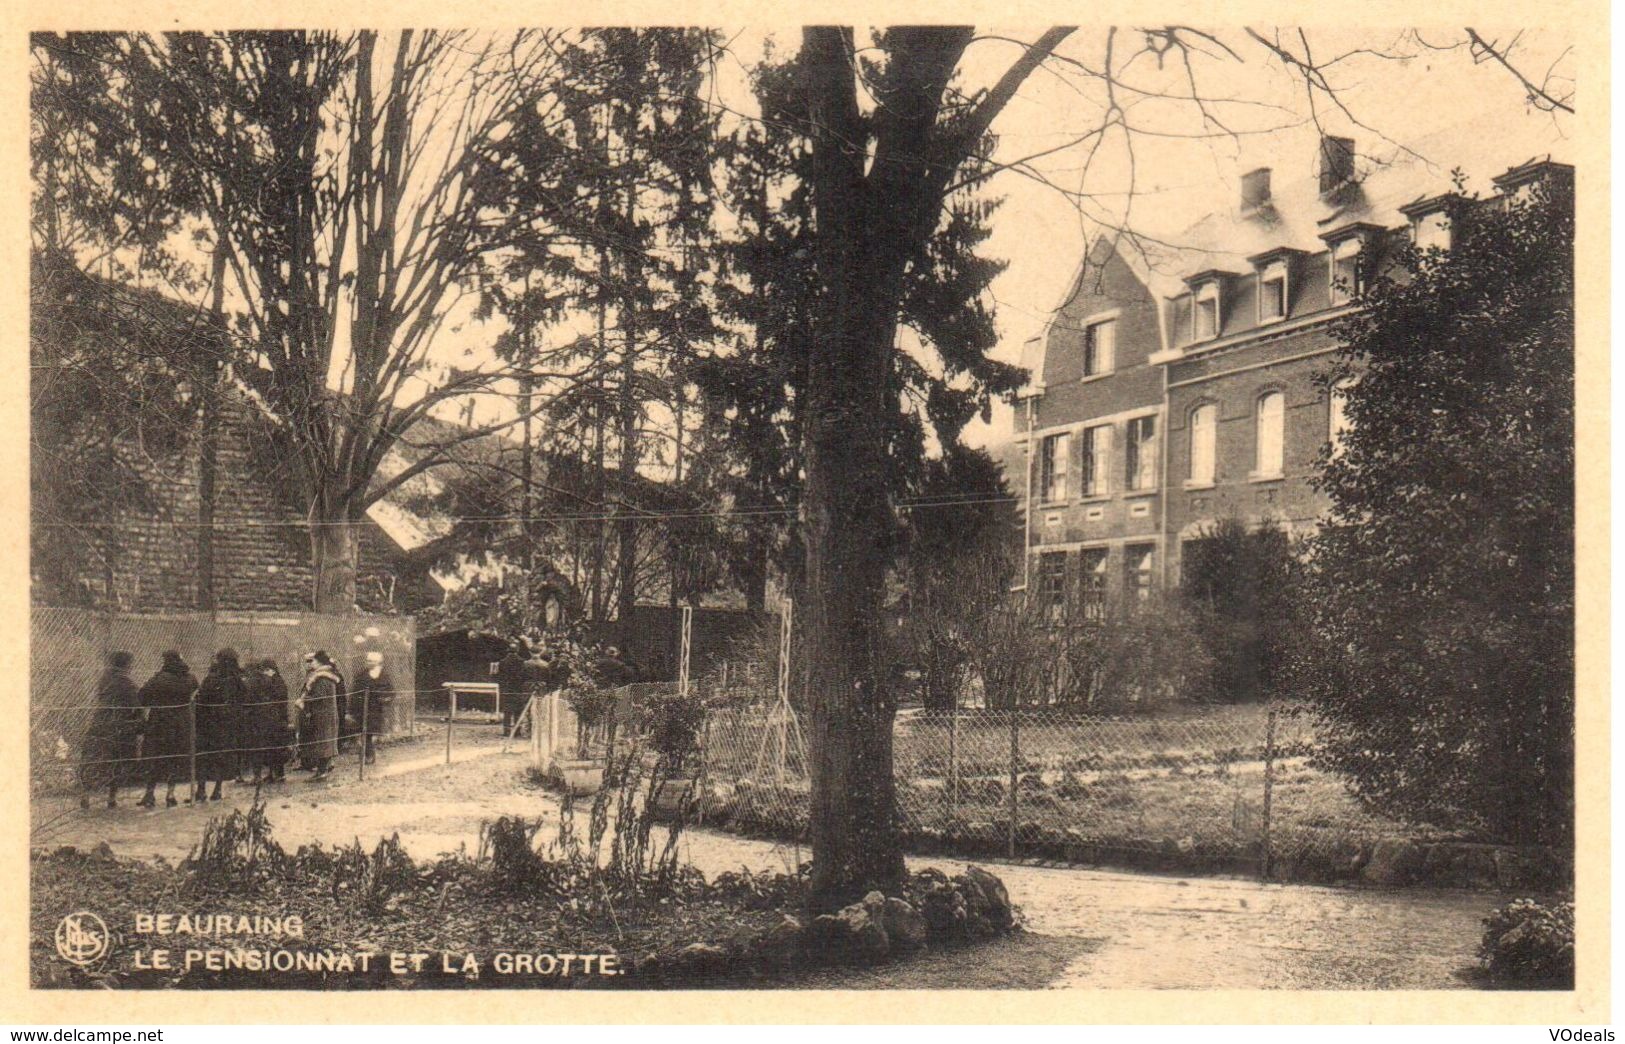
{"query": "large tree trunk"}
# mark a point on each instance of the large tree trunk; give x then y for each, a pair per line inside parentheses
(878, 186)
(847, 520)
(854, 838)
(335, 553)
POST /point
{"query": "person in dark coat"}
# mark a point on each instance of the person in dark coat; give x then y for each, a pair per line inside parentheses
(319, 715)
(612, 671)
(166, 707)
(265, 717)
(513, 681)
(375, 691)
(110, 742)
(219, 723)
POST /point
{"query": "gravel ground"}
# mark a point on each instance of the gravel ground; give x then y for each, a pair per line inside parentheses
(1093, 929)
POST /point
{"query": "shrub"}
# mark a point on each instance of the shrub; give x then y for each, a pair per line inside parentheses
(1439, 659)
(672, 724)
(515, 867)
(1140, 654)
(1530, 946)
(366, 883)
(1126, 654)
(237, 853)
(1239, 583)
(590, 704)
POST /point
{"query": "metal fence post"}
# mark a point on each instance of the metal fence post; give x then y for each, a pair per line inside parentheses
(361, 763)
(1015, 764)
(451, 713)
(191, 715)
(1269, 793)
(953, 756)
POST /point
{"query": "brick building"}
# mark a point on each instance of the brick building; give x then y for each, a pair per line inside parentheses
(141, 552)
(1178, 388)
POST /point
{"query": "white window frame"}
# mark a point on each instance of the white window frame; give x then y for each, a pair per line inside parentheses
(1195, 480)
(1054, 602)
(1053, 474)
(1207, 293)
(1344, 251)
(1095, 452)
(1106, 362)
(1093, 581)
(1140, 455)
(1133, 556)
(1262, 471)
(1275, 271)
(1440, 223)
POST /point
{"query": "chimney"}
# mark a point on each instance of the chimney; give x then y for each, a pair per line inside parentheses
(1336, 162)
(1255, 189)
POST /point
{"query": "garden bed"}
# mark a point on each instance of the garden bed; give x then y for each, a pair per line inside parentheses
(508, 916)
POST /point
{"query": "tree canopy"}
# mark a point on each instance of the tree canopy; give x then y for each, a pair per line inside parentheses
(1442, 586)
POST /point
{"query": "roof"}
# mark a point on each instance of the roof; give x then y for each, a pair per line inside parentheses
(1388, 178)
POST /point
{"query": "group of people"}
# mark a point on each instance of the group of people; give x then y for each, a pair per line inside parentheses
(524, 670)
(529, 668)
(238, 720)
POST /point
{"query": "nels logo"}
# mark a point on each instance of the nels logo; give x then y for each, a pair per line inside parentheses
(81, 938)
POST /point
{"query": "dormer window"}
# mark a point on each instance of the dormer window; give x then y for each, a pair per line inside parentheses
(1431, 221)
(1207, 305)
(1431, 231)
(1345, 270)
(1348, 247)
(1205, 313)
(1273, 269)
(1272, 292)
(1518, 183)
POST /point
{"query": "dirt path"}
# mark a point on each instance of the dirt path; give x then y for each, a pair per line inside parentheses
(1125, 931)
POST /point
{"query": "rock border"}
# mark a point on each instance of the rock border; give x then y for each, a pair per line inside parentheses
(936, 911)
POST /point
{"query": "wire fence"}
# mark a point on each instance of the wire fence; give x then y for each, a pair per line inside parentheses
(74, 741)
(1215, 788)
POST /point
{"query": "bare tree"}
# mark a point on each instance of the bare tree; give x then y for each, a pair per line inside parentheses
(333, 175)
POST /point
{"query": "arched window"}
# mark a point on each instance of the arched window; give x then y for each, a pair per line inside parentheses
(1271, 429)
(1204, 430)
(1337, 425)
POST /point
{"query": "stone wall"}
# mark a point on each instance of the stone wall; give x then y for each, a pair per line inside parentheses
(261, 546)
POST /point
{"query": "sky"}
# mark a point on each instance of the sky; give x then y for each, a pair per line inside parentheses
(1177, 180)
(1175, 161)
(1164, 161)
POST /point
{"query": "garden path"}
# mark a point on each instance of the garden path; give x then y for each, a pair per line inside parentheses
(1141, 931)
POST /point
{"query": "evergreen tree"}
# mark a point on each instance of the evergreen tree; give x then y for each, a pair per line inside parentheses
(598, 202)
(771, 292)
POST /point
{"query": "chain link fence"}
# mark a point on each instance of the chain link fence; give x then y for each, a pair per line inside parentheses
(1220, 789)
